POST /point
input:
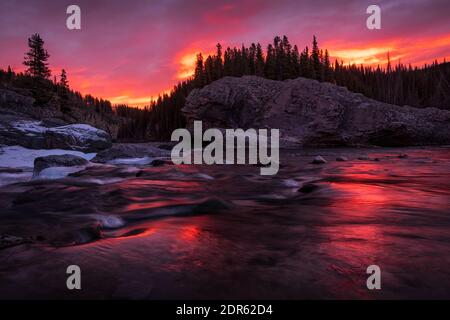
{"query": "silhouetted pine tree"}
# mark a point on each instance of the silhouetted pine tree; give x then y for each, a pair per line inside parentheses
(295, 63)
(315, 59)
(270, 69)
(63, 82)
(259, 63)
(199, 73)
(327, 70)
(36, 58)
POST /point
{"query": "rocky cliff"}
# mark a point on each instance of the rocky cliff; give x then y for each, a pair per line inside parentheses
(310, 113)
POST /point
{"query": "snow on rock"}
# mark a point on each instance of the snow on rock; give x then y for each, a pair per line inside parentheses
(29, 127)
(81, 137)
(120, 151)
(131, 161)
(110, 221)
(29, 133)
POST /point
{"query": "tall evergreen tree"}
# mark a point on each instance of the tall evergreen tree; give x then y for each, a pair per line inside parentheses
(259, 63)
(306, 69)
(199, 73)
(227, 62)
(63, 82)
(252, 59)
(270, 70)
(36, 58)
(9, 74)
(209, 70)
(327, 70)
(315, 59)
(295, 63)
(218, 63)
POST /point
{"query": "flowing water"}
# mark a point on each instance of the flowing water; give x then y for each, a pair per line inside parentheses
(216, 232)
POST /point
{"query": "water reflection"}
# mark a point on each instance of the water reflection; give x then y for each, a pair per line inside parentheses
(227, 232)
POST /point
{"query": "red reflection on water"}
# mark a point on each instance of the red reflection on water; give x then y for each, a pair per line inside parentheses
(155, 204)
(355, 237)
(163, 183)
(360, 199)
(371, 203)
(146, 233)
(190, 233)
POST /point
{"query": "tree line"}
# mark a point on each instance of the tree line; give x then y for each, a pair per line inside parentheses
(37, 79)
(427, 86)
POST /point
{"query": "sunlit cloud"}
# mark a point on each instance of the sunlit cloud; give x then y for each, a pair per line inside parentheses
(131, 53)
(130, 100)
(187, 65)
(186, 61)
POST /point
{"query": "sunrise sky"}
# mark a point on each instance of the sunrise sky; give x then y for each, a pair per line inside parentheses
(128, 51)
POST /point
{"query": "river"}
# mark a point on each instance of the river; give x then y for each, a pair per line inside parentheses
(226, 232)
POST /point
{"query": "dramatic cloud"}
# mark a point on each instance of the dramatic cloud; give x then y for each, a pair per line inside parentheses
(129, 51)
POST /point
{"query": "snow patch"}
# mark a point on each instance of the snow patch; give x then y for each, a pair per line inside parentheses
(29, 126)
(110, 221)
(9, 178)
(131, 161)
(80, 132)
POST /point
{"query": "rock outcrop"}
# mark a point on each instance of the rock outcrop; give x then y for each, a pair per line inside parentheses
(80, 137)
(66, 160)
(21, 130)
(21, 101)
(310, 113)
(130, 151)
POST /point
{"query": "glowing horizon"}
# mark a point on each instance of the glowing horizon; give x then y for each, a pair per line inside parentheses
(132, 53)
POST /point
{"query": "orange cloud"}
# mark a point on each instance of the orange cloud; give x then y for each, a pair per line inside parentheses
(186, 59)
(416, 52)
(186, 65)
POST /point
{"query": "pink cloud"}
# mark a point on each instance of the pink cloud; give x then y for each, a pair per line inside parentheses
(130, 51)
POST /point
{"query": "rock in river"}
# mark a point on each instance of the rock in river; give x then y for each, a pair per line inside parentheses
(66, 160)
(319, 160)
(21, 130)
(311, 113)
(341, 159)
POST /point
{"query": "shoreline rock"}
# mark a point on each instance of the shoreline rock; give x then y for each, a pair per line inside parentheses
(66, 160)
(319, 160)
(21, 130)
(313, 114)
(131, 151)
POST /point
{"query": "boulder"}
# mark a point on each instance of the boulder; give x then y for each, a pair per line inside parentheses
(53, 111)
(21, 130)
(319, 160)
(308, 188)
(7, 241)
(310, 113)
(66, 160)
(130, 151)
(80, 137)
